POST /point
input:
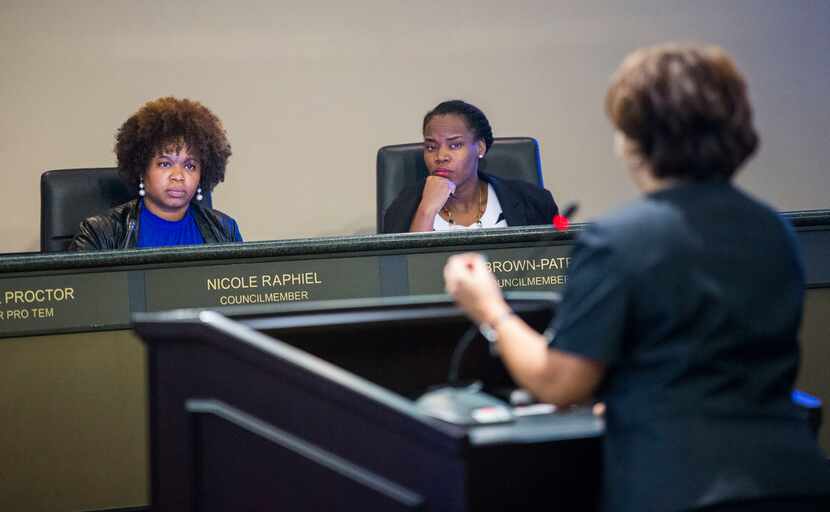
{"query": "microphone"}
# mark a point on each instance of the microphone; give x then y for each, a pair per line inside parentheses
(562, 220)
(463, 405)
(460, 348)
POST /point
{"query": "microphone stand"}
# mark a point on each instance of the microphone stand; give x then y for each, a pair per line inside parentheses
(463, 405)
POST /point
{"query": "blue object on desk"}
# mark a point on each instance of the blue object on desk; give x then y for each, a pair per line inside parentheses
(811, 405)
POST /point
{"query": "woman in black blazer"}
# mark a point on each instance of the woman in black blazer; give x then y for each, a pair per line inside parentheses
(456, 195)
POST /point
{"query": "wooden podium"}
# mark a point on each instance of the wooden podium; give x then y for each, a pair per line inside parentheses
(310, 407)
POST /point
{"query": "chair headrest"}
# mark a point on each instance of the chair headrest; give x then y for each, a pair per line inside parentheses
(68, 196)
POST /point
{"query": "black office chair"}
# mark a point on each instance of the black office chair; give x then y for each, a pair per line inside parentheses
(69, 196)
(402, 165)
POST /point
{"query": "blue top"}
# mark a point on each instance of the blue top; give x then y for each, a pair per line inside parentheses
(157, 232)
(692, 298)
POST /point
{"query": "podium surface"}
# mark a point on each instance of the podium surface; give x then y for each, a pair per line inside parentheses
(244, 416)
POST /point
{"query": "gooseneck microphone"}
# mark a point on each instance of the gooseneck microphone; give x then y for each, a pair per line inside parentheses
(561, 221)
(458, 354)
(463, 405)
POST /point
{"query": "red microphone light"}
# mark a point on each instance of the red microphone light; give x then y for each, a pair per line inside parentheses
(560, 222)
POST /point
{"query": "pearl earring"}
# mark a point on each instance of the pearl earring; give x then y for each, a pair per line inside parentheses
(199, 195)
(141, 187)
(480, 157)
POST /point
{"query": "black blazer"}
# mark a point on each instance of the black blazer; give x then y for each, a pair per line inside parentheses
(523, 204)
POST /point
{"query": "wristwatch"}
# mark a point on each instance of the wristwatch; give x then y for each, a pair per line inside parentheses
(488, 330)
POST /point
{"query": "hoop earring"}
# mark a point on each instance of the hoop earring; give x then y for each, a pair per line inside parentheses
(141, 187)
(199, 195)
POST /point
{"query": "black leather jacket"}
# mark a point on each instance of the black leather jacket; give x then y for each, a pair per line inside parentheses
(118, 228)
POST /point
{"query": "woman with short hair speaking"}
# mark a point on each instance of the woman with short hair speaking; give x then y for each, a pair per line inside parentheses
(172, 151)
(682, 309)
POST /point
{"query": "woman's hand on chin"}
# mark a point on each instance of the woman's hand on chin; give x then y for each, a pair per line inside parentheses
(437, 191)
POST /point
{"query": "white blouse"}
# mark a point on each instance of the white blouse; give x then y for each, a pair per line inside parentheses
(492, 217)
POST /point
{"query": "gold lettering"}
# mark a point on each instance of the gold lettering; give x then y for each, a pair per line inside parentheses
(233, 283)
(17, 314)
(520, 282)
(290, 279)
(38, 295)
(525, 265)
(263, 298)
(43, 312)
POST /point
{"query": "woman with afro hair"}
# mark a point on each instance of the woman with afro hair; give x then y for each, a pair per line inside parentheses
(172, 151)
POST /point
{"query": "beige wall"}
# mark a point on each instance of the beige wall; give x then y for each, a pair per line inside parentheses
(309, 90)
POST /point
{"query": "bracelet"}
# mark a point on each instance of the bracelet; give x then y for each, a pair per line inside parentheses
(488, 330)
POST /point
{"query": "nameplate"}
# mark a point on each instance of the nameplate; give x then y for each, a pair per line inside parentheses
(76, 300)
(525, 268)
(262, 283)
(80, 302)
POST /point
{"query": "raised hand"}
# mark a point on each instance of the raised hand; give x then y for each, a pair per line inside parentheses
(474, 287)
